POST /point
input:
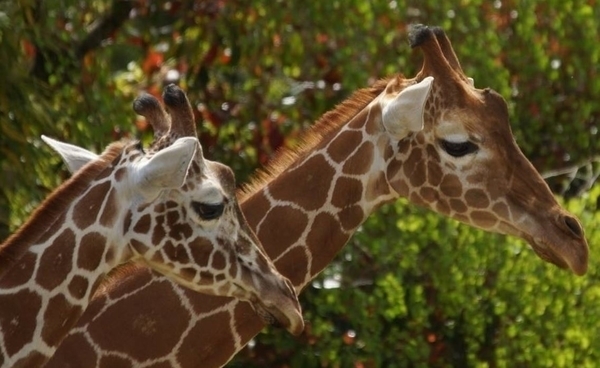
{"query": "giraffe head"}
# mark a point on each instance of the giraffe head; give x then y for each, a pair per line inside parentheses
(456, 155)
(182, 216)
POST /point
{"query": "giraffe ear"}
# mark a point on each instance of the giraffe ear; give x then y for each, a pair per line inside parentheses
(73, 156)
(168, 168)
(403, 114)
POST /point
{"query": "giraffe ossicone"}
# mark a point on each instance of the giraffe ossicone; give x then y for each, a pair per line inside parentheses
(463, 162)
(166, 207)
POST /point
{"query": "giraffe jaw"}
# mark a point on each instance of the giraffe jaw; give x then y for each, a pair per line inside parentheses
(571, 254)
(276, 316)
(278, 307)
(577, 264)
(555, 236)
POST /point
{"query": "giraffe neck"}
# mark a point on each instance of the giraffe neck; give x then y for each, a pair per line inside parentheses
(52, 266)
(323, 198)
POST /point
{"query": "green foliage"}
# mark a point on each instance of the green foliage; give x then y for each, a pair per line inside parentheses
(415, 290)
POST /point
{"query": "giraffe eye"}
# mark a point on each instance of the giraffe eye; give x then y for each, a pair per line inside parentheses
(458, 149)
(208, 211)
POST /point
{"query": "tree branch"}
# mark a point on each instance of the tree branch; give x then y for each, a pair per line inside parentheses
(581, 177)
(104, 27)
(571, 170)
(48, 57)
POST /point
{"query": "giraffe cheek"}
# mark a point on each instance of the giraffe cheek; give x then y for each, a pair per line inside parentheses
(501, 210)
(159, 232)
(201, 250)
(142, 226)
(417, 199)
(414, 169)
(483, 219)
(458, 206)
(418, 176)
(477, 198)
(401, 187)
(434, 173)
(451, 186)
(219, 262)
(429, 194)
(176, 253)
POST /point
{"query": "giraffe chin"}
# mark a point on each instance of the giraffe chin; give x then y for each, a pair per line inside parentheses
(568, 260)
(275, 316)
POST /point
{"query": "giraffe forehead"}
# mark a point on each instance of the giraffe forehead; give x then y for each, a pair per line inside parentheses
(223, 175)
(210, 185)
(465, 104)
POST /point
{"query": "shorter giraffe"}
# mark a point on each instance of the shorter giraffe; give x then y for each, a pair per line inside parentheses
(167, 207)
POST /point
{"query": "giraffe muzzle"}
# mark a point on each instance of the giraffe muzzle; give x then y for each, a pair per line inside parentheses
(281, 308)
(562, 244)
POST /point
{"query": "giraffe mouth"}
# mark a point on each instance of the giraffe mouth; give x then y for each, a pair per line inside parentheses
(277, 317)
(278, 308)
(543, 251)
(567, 255)
(556, 237)
(268, 317)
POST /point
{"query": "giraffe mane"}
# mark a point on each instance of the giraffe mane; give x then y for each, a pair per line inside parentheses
(51, 208)
(324, 126)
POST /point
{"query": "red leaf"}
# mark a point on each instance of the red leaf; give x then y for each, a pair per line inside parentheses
(153, 62)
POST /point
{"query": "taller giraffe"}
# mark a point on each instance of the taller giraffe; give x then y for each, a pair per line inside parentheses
(434, 139)
(167, 207)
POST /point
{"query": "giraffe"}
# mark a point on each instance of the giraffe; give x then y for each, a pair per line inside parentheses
(434, 139)
(167, 207)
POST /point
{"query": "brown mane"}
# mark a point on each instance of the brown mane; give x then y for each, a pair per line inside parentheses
(324, 126)
(53, 206)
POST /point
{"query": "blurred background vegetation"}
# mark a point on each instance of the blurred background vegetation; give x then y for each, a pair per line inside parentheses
(411, 289)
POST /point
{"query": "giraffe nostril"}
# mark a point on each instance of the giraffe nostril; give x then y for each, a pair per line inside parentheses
(573, 226)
